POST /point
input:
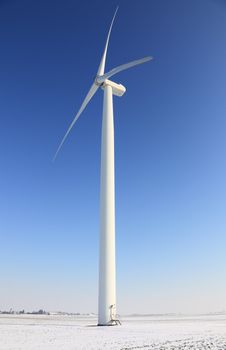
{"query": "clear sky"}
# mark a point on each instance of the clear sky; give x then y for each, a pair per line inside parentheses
(170, 144)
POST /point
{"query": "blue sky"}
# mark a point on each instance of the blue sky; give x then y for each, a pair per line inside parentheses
(169, 145)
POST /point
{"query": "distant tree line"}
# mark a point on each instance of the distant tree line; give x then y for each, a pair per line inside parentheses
(21, 312)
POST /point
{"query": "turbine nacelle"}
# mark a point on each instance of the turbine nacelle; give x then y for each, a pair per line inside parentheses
(117, 89)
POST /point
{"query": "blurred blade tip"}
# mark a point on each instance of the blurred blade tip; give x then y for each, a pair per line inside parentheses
(56, 154)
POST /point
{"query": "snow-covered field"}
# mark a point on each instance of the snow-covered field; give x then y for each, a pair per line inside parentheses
(55, 332)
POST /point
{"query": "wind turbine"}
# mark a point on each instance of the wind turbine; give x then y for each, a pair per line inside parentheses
(107, 285)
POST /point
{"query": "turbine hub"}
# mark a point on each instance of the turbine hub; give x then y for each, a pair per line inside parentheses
(99, 80)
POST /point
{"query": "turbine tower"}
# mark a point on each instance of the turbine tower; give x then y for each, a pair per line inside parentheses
(107, 287)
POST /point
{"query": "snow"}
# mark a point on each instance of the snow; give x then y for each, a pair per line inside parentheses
(61, 332)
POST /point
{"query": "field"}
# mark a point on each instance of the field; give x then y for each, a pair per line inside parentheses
(59, 332)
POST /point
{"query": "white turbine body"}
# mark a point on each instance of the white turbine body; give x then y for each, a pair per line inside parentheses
(107, 274)
(107, 288)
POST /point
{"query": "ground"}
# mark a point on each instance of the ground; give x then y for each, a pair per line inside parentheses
(59, 332)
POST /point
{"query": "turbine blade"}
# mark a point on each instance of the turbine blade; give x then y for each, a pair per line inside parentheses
(88, 97)
(103, 59)
(124, 67)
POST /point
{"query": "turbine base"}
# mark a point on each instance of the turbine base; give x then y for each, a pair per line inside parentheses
(111, 323)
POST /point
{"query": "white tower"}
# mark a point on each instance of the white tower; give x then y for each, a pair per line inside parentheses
(107, 287)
